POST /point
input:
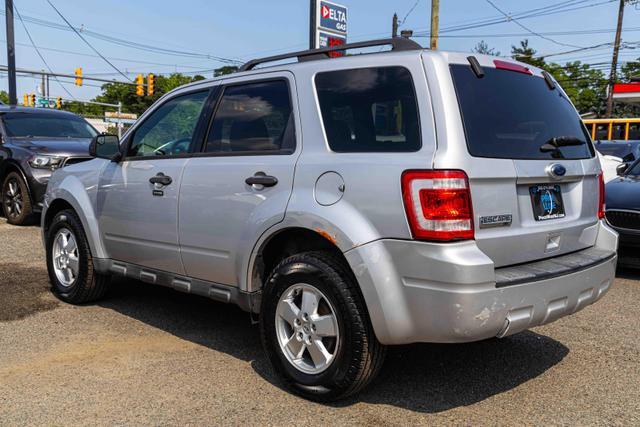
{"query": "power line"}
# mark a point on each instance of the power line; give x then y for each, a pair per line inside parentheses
(515, 21)
(410, 12)
(130, 44)
(85, 40)
(38, 52)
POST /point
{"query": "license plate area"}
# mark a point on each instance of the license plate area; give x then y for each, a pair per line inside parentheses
(546, 200)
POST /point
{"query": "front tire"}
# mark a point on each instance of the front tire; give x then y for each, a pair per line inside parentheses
(316, 330)
(16, 202)
(69, 262)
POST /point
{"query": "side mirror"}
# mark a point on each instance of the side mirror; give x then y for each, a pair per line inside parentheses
(622, 168)
(105, 146)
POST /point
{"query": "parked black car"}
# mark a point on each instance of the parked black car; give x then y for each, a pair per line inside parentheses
(623, 212)
(628, 151)
(34, 142)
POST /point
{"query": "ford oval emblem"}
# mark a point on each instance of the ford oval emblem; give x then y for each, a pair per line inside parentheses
(557, 170)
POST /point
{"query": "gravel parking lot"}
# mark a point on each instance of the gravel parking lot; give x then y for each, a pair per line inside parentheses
(149, 355)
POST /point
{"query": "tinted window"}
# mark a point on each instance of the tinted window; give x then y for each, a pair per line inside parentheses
(635, 170)
(510, 115)
(634, 131)
(618, 149)
(21, 125)
(253, 117)
(369, 110)
(169, 129)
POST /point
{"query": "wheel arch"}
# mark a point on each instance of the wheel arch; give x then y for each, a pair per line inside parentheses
(9, 166)
(71, 194)
(284, 242)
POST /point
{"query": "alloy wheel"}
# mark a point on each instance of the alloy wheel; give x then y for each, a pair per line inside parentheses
(307, 328)
(66, 262)
(13, 199)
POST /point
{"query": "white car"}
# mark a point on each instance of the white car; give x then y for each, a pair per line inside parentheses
(609, 165)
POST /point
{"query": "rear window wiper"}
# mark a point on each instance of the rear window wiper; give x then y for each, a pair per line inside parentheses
(561, 141)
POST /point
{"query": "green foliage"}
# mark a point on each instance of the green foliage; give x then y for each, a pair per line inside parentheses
(483, 48)
(525, 53)
(112, 93)
(585, 86)
(4, 96)
(227, 69)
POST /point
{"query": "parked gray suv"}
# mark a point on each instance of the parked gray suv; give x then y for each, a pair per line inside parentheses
(352, 203)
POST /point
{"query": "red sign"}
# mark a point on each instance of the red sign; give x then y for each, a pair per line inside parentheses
(626, 88)
(325, 11)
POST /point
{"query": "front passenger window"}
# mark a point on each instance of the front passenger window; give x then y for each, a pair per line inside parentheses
(169, 129)
(253, 117)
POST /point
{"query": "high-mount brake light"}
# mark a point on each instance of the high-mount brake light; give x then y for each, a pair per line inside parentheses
(510, 66)
(438, 204)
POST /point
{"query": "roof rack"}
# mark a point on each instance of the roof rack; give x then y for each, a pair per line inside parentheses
(396, 43)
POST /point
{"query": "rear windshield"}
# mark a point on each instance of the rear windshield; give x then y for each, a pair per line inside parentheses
(33, 125)
(511, 115)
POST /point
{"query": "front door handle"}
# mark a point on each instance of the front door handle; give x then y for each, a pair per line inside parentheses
(261, 178)
(161, 179)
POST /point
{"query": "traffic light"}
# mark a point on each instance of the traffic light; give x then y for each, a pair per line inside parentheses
(78, 76)
(25, 100)
(33, 100)
(150, 84)
(140, 85)
(59, 102)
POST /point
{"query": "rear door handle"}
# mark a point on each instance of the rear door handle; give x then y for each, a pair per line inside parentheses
(161, 179)
(261, 178)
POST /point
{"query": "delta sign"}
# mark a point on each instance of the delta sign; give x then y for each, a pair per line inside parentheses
(332, 17)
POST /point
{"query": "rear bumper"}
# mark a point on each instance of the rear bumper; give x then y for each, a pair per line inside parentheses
(428, 292)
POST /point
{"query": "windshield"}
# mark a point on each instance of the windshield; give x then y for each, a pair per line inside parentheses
(511, 115)
(618, 149)
(635, 169)
(28, 125)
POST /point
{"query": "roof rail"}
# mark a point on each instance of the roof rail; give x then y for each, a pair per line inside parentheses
(396, 43)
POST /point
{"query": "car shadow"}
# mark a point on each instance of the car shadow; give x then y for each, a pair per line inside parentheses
(425, 378)
(628, 273)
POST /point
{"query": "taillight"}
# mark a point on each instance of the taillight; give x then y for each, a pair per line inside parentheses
(438, 204)
(601, 203)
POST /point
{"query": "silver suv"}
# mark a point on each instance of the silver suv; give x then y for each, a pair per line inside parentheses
(352, 203)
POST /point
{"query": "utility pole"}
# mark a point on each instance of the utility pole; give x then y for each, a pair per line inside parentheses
(435, 24)
(394, 26)
(313, 7)
(11, 52)
(614, 60)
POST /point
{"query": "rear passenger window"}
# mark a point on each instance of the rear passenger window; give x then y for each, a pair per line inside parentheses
(369, 110)
(253, 118)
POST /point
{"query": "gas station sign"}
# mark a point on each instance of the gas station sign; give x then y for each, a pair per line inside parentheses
(331, 25)
(333, 17)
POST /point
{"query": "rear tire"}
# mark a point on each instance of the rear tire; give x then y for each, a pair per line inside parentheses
(16, 202)
(355, 355)
(70, 263)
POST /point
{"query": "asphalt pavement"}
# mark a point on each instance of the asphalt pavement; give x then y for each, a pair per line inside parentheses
(148, 355)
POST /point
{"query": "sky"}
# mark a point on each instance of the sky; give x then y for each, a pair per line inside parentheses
(198, 36)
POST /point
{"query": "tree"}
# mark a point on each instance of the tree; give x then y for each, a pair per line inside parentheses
(585, 86)
(526, 54)
(227, 69)
(4, 97)
(112, 93)
(483, 48)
